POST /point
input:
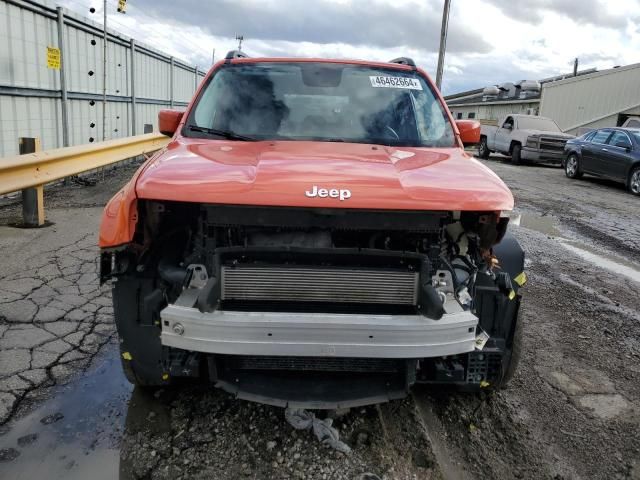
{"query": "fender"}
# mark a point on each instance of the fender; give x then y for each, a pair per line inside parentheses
(510, 255)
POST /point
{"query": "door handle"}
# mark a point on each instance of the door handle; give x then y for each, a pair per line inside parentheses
(605, 150)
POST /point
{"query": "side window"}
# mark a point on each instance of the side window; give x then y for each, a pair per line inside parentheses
(508, 122)
(471, 115)
(458, 115)
(601, 136)
(620, 138)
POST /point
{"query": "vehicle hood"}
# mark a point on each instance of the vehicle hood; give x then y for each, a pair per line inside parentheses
(542, 133)
(279, 173)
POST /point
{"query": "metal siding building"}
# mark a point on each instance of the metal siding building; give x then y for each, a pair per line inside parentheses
(601, 99)
(492, 111)
(30, 92)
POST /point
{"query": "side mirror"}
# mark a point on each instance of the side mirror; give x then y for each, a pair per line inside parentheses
(507, 126)
(168, 121)
(469, 132)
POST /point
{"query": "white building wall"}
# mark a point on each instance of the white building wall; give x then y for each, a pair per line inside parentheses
(592, 101)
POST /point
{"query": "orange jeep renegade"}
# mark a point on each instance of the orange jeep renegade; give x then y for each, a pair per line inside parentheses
(315, 235)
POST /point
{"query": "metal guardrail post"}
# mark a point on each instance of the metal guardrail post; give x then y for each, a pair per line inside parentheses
(171, 71)
(133, 87)
(32, 198)
(63, 80)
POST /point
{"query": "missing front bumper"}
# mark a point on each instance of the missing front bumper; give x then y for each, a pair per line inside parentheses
(317, 334)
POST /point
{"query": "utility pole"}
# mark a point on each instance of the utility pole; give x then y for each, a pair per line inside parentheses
(104, 74)
(443, 42)
(63, 78)
(213, 57)
(575, 67)
(240, 38)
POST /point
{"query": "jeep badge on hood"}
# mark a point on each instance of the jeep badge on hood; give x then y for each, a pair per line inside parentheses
(342, 194)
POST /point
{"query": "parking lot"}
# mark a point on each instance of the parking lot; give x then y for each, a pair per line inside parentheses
(572, 410)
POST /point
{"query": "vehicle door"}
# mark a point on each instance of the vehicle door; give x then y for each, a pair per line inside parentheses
(617, 156)
(592, 151)
(503, 135)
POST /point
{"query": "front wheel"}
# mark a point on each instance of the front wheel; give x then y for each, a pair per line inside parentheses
(516, 159)
(572, 167)
(483, 149)
(634, 181)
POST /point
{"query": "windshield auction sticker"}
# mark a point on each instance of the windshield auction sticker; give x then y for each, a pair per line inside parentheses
(395, 82)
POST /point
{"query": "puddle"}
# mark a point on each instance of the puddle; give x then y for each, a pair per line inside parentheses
(547, 224)
(84, 443)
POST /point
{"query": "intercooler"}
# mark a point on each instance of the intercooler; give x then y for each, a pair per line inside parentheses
(319, 284)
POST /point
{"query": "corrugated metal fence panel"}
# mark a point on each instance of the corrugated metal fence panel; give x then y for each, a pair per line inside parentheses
(84, 64)
(29, 117)
(147, 114)
(152, 77)
(25, 33)
(87, 121)
(82, 58)
(588, 99)
(183, 84)
(24, 38)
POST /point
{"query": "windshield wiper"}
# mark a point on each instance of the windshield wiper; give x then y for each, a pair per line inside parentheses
(221, 133)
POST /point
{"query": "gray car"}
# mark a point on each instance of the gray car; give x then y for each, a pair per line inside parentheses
(612, 153)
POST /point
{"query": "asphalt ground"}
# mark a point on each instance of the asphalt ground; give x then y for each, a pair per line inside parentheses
(572, 410)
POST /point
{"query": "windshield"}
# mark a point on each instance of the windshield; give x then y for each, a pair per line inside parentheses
(320, 102)
(539, 123)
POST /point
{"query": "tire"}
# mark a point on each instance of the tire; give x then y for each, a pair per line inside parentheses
(634, 181)
(140, 379)
(127, 369)
(515, 155)
(140, 347)
(483, 149)
(572, 167)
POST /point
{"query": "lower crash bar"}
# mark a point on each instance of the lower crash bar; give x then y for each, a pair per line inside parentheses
(317, 334)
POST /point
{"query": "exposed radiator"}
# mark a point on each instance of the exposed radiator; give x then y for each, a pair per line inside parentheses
(319, 284)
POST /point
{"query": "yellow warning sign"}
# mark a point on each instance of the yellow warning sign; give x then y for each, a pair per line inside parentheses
(53, 58)
(122, 6)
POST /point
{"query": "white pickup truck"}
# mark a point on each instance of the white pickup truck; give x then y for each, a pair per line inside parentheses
(524, 137)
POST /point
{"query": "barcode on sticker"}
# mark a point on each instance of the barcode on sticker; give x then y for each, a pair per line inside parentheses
(395, 82)
(481, 339)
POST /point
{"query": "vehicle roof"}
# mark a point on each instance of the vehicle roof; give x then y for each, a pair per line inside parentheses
(624, 129)
(343, 61)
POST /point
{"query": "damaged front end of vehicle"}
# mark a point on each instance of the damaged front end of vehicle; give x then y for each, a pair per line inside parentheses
(316, 308)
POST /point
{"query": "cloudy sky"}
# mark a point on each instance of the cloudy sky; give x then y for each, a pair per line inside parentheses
(490, 41)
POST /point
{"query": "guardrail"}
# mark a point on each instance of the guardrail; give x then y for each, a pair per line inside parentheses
(31, 171)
